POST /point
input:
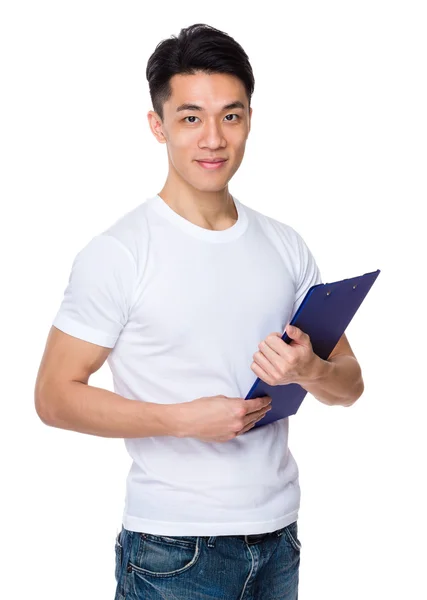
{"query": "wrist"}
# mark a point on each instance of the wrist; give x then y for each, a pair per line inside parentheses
(166, 419)
(173, 420)
(320, 370)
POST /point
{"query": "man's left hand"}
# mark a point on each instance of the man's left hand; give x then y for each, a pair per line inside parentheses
(279, 363)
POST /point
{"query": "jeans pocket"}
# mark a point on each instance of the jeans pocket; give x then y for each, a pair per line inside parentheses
(163, 556)
(291, 532)
(119, 557)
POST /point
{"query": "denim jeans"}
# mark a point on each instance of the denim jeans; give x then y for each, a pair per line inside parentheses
(232, 567)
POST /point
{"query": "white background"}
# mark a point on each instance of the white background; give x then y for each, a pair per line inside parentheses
(337, 150)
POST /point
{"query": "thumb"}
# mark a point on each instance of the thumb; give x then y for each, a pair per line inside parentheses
(292, 331)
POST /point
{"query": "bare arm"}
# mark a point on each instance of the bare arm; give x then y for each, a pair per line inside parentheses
(337, 381)
(64, 399)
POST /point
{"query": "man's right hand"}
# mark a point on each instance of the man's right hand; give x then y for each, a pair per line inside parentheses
(220, 418)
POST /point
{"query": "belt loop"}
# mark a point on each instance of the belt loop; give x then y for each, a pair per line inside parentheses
(211, 541)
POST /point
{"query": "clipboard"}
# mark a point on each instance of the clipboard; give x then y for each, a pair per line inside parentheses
(324, 315)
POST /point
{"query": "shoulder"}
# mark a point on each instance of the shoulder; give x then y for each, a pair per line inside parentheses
(274, 228)
(130, 233)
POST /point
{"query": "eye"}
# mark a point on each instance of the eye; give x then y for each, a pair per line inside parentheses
(229, 115)
(190, 117)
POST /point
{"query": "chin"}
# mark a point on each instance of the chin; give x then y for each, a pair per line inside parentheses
(202, 184)
(211, 188)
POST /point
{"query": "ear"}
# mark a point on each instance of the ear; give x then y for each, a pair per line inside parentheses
(156, 126)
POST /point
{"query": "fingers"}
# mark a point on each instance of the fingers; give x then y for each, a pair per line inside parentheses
(257, 404)
(256, 416)
(251, 424)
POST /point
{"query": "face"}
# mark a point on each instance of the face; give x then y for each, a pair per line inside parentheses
(211, 131)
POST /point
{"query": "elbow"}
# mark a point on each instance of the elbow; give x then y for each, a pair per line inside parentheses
(41, 411)
(358, 390)
(41, 405)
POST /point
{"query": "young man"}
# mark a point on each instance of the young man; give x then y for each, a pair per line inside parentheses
(166, 295)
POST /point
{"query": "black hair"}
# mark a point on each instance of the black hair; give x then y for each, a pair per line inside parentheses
(198, 47)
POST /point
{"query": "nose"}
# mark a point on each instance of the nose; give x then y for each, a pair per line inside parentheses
(212, 135)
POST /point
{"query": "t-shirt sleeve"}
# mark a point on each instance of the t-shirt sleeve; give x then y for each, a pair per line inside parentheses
(97, 299)
(309, 273)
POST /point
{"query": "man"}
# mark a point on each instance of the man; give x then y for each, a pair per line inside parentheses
(167, 295)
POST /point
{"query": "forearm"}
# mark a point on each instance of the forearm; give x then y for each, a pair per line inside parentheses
(337, 381)
(88, 409)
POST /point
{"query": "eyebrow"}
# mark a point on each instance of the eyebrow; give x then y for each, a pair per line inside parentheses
(187, 106)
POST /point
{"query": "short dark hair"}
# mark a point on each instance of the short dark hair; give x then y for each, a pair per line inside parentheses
(198, 47)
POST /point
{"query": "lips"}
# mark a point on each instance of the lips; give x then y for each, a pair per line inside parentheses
(211, 165)
(213, 161)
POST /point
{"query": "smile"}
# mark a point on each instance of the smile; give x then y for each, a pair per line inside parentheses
(211, 165)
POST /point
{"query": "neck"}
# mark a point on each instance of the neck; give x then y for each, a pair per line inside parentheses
(210, 210)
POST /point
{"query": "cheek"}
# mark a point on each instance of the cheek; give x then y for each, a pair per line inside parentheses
(185, 141)
(240, 146)
(182, 149)
(181, 137)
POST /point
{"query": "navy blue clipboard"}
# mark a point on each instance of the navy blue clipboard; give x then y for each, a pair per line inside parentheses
(324, 315)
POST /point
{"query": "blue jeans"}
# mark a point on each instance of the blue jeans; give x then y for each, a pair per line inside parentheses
(232, 567)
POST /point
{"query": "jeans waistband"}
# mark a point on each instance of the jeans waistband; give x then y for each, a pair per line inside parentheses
(254, 538)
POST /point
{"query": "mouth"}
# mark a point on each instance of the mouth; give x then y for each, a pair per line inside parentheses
(211, 165)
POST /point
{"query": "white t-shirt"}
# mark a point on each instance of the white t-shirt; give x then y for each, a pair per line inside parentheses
(184, 309)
